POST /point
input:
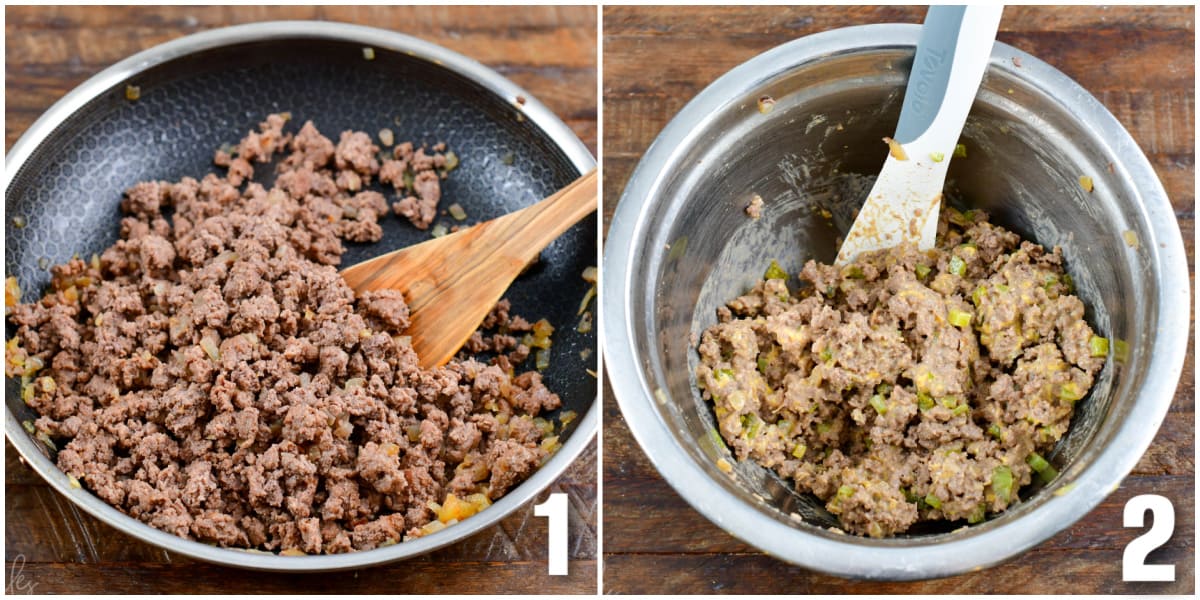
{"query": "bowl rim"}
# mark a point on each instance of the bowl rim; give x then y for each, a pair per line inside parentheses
(917, 560)
(535, 112)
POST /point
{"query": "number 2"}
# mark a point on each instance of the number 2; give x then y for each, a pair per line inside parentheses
(1134, 567)
(555, 511)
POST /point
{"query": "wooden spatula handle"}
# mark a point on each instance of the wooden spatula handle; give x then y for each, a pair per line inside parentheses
(452, 282)
(531, 229)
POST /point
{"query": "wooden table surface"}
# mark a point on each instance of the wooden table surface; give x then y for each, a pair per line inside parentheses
(53, 547)
(1137, 61)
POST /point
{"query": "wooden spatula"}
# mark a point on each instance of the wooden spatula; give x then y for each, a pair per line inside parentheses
(952, 55)
(450, 283)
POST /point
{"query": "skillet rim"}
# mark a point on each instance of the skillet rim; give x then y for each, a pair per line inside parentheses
(535, 113)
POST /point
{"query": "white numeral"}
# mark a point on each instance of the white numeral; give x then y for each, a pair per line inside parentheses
(555, 509)
(1134, 562)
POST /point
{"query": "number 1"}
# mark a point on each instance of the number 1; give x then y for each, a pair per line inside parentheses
(555, 509)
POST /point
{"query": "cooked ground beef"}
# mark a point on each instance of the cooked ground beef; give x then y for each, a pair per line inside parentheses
(419, 174)
(907, 386)
(212, 375)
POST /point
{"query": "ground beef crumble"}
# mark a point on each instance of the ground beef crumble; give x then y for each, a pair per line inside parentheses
(212, 375)
(417, 172)
(907, 386)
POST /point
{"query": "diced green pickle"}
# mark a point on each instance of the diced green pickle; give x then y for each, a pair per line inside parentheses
(1002, 482)
(957, 266)
(879, 404)
(775, 272)
(960, 318)
(924, 401)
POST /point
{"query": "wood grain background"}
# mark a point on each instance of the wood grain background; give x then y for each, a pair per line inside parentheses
(1137, 60)
(52, 547)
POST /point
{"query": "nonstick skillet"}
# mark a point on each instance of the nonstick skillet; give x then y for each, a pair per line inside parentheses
(65, 177)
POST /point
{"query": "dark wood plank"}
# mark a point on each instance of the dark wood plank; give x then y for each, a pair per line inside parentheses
(53, 547)
(551, 51)
(738, 21)
(418, 576)
(1137, 61)
(60, 546)
(1086, 571)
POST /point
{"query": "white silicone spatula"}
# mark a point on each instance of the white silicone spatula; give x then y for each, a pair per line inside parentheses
(952, 55)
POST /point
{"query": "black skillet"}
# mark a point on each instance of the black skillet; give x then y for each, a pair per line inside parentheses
(65, 177)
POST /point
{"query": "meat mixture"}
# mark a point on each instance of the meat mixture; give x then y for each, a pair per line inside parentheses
(754, 209)
(908, 386)
(212, 375)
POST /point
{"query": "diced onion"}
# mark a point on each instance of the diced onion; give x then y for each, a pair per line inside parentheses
(210, 348)
(1131, 238)
(542, 329)
(227, 256)
(567, 416)
(456, 509)
(12, 292)
(585, 323)
(432, 527)
(45, 439)
(587, 298)
(47, 384)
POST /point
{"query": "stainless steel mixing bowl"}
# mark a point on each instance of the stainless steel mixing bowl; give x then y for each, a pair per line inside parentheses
(66, 174)
(680, 246)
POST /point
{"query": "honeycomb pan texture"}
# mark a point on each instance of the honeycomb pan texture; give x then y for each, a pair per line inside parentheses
(66, 194)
